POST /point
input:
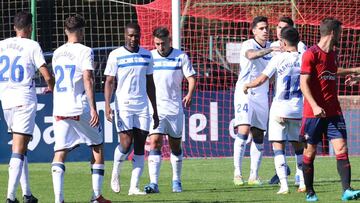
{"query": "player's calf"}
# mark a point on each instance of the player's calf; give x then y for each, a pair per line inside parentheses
(119, 157)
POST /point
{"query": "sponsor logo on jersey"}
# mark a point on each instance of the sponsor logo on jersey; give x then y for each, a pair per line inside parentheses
(327, 75)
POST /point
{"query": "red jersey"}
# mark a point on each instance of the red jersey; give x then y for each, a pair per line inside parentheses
(322, 67)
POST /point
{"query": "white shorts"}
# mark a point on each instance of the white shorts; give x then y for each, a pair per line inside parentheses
(21, 119)
(171, 125)
(289, 130)
(69, 132)
(125, 120)
(253, 112)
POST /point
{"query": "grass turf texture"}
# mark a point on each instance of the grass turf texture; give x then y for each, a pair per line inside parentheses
(204, 180)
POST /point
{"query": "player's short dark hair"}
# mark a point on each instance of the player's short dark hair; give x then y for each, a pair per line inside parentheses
(22, 20)
(74, 23)
(134, 26)
(257, 20)
(161, 32)
(287, 20)
(291, 35)
(329, 24)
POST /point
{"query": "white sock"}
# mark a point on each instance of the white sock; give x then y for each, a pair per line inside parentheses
(138, 166)
(154, 162)
(256, 156)
(58, 171)
(24, 179)
(281, 167)
(239, 152)
(15, 168)
(299, 172)
(119, 159)
(176, 163)
(97, 176)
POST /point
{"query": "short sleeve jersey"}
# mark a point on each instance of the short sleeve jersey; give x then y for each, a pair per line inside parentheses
(251, 69)
(169, 72)
(20, 58)
(288, 100)
(69, 62)
(322, 68)
(130, 69)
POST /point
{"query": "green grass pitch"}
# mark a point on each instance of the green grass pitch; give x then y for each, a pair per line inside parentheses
(204, 180)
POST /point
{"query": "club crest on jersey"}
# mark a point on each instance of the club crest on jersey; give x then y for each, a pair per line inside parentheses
(306, 136)
(327, 75)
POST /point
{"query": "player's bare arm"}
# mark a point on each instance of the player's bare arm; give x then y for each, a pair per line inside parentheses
(49, 79)
(306, 90)
(108, 90)
(255, 54)
(151, 92)
(346, 71)
(255, 83)
(89, 90)
(192, 85)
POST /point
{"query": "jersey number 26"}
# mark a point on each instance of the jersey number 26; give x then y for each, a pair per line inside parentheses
(16, 72)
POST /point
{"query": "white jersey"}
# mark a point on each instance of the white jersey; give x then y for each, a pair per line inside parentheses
(301, 47)
(168, 74)
(288, 101)
(130, 69)
(69, 62)
(20, 58)
(251, 69)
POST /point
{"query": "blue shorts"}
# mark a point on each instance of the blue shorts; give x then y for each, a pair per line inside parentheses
(333, 127)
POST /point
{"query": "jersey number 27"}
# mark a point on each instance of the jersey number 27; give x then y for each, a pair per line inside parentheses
(60, 73)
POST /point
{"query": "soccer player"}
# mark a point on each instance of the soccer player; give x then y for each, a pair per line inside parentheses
(298, 146)
(251, 110)
(170, 67)
(20, 58)
(285, 22)
(322, 112)
(76, 120)
(286, 108)
(132, 65)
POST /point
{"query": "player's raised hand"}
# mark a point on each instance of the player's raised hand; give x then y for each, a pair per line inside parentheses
(352, 79)
(156, 121)
(94, 121)
(319, 112)
(108, 113)
(187, 101)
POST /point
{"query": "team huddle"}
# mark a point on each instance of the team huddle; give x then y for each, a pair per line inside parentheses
(296, 73)
(141, 76)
